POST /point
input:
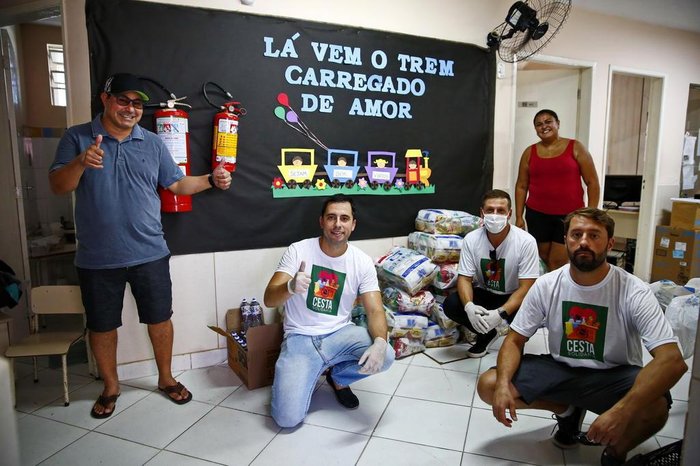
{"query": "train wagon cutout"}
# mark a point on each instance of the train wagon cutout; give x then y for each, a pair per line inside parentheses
(380, 174)
(341, 173)
(297, 171)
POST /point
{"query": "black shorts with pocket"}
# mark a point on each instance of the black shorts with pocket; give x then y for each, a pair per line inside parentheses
(102, 292)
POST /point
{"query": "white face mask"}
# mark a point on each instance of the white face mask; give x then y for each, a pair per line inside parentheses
(495, 223)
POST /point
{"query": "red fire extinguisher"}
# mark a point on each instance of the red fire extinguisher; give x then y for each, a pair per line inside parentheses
(225, 139)
(172, 127)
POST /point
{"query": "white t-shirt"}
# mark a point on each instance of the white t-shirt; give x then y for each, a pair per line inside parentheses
(598, 326)
(335, 284)
(516, 256)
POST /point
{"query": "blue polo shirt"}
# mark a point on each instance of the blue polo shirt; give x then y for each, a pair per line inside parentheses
(117, 208)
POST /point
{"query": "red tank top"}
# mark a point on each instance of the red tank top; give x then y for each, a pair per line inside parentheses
(555, 183)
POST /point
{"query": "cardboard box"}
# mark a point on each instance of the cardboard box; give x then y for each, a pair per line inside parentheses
(255, 365)
(676, 254)
(686, 214)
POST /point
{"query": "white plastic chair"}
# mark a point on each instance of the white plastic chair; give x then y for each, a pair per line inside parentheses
(51, 300)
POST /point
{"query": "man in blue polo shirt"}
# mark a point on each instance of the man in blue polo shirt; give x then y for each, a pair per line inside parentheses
(115, 167)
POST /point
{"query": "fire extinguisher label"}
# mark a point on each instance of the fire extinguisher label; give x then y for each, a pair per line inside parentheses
(227, 140)
(173, 132)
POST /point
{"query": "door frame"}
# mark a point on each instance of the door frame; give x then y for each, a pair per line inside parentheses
(646, 225)
(585, 103)
(20, 252)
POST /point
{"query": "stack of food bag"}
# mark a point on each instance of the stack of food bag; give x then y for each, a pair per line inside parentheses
(415, 280)
(446, 229)
(403, 273)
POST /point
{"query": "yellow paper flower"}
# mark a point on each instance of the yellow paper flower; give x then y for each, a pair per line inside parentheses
(321, 183)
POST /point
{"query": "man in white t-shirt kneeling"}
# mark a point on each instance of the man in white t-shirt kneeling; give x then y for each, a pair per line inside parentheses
(497, 265)
(318, 280)
(596, 316)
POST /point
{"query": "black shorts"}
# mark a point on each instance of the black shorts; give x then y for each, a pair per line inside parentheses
(102, 291)
(540, 377)
(544, 227)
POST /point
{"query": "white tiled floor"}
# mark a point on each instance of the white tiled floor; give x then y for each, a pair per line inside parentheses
(418, 413)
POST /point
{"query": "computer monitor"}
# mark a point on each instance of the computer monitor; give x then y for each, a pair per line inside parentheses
(622, 188)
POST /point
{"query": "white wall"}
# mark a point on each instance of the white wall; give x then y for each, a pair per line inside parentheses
(602, 40)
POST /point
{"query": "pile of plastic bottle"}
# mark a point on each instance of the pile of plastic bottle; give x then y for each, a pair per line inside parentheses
(251, 314)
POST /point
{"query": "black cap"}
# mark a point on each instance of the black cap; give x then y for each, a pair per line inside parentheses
(125, 82)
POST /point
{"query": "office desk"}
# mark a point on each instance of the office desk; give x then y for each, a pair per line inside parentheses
(625, 222)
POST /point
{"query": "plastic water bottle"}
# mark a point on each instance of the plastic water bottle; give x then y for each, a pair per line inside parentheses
(256, 313)
(245, 315)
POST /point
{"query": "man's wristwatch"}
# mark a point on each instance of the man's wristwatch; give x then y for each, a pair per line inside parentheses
(210, 179)
(503, 313)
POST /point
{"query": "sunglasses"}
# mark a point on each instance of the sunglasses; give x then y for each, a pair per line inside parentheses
(124, 101)
(493, 256)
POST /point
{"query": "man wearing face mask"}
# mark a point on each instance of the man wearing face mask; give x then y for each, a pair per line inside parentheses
(497, 265)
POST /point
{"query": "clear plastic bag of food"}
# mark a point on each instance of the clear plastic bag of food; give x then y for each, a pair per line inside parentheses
(406, 269)
(400, 301)
(439, 248)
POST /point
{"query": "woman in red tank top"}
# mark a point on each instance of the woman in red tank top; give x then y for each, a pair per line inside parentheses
(549, 184)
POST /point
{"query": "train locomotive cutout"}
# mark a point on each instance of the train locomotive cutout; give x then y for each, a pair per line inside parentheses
(342, 173)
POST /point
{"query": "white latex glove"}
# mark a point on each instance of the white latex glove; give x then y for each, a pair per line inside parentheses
(300, 283)
(373, 358)
(493, 319)
(475, 314)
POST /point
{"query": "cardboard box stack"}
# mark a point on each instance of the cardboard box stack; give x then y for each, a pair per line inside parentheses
(677, 246)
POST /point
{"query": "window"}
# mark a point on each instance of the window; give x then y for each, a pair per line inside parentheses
(57, 75)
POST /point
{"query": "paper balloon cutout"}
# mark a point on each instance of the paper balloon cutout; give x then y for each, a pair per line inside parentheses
(279, 113)
(292, 116)
(283, 99)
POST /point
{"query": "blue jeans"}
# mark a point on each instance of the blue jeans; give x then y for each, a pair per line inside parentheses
(304, 358)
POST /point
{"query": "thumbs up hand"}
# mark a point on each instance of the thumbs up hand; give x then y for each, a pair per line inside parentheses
(92, 157)
(221, 177)
(300, 283)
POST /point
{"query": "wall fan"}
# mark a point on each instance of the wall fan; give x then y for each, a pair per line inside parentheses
(528, 27)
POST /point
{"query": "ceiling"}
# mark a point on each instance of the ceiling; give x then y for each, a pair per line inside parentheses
(678, 14)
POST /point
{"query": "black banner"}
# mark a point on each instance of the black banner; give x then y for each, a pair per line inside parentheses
(399, 122)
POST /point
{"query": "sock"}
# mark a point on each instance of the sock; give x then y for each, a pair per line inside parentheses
(569, 411)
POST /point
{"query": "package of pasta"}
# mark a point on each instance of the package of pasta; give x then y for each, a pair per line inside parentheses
(451, 222)
(436, 336)
(400, 301)
(446, 277)
(406, 333)
(406, 269)
(438, 248)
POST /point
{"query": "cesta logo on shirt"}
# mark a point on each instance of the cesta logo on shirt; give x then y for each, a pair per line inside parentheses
(325, 291)
(584, 330)
(493, 271)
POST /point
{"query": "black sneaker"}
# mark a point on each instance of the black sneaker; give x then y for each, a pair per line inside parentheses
(483, 343)
(345, 396)
(569, 428)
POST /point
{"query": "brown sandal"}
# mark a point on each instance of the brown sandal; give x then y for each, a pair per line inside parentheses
(176, 389)
(105, 401)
